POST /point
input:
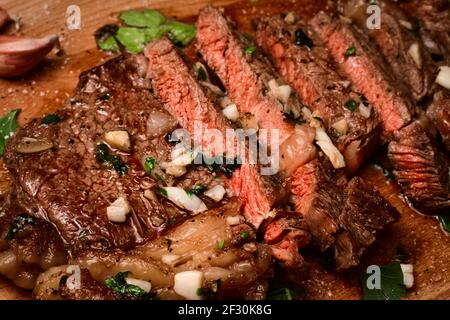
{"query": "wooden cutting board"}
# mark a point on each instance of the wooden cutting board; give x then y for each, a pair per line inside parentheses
(44, 90)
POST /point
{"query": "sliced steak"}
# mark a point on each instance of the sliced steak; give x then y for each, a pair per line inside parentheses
(435, 14)
(68, 186)
(361, 62)
(421, 169)
(397, 44)
(363, 214)
(439, 114)
(187, 101)
(307, 68)
(318, 199)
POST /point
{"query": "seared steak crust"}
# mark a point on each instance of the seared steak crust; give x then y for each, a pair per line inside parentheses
(67, 186)
(439, 114)
(421, 169)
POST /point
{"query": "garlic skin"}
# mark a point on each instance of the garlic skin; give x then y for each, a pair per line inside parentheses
(19, 54)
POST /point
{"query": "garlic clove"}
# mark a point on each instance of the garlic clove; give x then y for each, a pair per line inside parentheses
(118, 139)
(19, 55)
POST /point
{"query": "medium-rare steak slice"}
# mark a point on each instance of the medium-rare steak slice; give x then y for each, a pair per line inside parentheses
(186, 100)
(439, 114)
(421, 169)
(364, 67)
(260, 194)
(72, 183)
(404, 53)
(326, 92)
(318, 199)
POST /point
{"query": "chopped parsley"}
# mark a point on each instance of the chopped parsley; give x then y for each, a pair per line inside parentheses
(149, 164)
(19, 223)
(250, 50)
(350, 52)
(391, 284)
(8, 125)
(105, 38)
(198, 189)
(162, 192)
(302, 39)
(103, 156)
(51, 118)
(444, 219)
(245, 234)
(352, 105)
(145, 18)
(123, 290)
(201, 74)
(220, 244)
(282, 291)
(221, 164)
(371, 2)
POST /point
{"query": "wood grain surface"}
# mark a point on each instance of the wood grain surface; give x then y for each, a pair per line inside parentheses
(44, 90)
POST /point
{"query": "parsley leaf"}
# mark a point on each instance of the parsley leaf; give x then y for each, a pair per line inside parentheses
(444, 219)
(391, 284)
(220, 244)
(352, 105)
(250, 50)
(149, 164)
(146, 18)
(123, 290)
(51, 118)
(282, 291)
(181, 33)
(103, 156)
(350, 52)
(8, 125)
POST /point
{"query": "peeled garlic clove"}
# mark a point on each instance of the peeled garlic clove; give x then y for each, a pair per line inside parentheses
(19, 55)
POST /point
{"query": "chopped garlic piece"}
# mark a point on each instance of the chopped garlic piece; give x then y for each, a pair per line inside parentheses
(119, 139)
(408, 276)
(364, 111)
(118, 210)
(216, 193)
(144, 285)
(341, 126)
(233, 220)
(187, 283)
(231, 112)
(290, 18)
(414, 52)
(170, 259)
(327, 146)
(443, 78)
(181, 198)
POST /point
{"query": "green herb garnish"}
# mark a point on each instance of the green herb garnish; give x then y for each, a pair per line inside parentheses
(19, 223)
(105, 38)
(282, 291)
(8, 125)
(350, 52)
(162, 192)
(181, 33)
(221, 164)
(444, 219)
(352, 105)
(103, 156)
(123, 290)
(201, 74)
(199, 292)
(134, 39)
(391, 284)
(146, 18)
(245, 234)
(51, 118)
(250, 50)
(198, 189)
(149, 164)
(220, 244)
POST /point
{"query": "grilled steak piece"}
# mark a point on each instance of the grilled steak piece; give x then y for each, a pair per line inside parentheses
(315, 79)
(243, 70)
(361, 62)
(421, 169)
(439, 114)
(318, 199)
(363, 214)
(435, 14)
(68, 186)
(397, 44)
(258, 193)
(187, 101)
